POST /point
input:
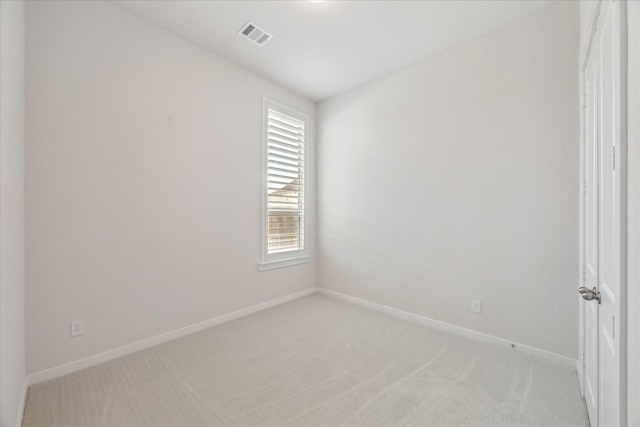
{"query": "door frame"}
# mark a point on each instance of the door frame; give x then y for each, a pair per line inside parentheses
(633, 213)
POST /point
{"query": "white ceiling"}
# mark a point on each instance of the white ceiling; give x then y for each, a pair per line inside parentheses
(320, 49)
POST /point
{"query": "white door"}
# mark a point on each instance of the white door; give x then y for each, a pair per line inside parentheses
(604, 253)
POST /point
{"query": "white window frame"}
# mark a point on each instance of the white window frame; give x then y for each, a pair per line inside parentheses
(283, 259)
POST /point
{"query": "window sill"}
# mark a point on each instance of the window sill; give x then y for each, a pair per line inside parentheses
(270, 265)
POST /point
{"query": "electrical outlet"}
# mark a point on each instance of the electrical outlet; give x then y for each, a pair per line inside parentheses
(77, 327)
(476, 306)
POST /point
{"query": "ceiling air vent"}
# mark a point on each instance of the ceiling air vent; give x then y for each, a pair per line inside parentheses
(255, 34)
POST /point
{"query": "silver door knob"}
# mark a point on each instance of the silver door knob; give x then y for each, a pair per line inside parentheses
(590, 294)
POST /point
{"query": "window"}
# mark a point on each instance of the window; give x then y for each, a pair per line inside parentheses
(283, 217)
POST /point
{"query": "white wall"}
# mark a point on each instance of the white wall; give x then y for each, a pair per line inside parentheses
(457, 179)
(143, 174)
(12, 341)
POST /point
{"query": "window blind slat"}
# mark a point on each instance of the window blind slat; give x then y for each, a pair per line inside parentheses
(277, 206)
(283, 207)
(291, 238)
(278, 169)
(274, 178)
(284, 139)
(285, 147)
(288, 176)
(286, 126)
(276, 116)
(279, 163)
(287, 199)
(281, 210)
(285, 120)
(287, 190)
(279, 127)
(281, 153)
(278, 179)
(283, 191)
(287, 160)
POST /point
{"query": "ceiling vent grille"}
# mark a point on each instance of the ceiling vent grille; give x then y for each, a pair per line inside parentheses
(255, 34)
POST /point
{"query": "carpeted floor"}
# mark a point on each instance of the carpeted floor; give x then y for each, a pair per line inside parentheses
(316, 361)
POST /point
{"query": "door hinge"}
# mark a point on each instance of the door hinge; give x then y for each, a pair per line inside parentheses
(584, 274)
(584, 101)
(584, 188)
(613, 157)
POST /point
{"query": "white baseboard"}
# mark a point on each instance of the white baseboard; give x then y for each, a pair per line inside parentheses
(22, 403)
(580, 372)
(548, 356)
(106, 356)
(87, 362)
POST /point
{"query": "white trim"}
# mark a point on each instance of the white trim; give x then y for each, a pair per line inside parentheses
(22, 401)
(548, 356)
(580, 366)
(581, 233)
(593, 19)
(270, 265)
(633, 217)
(87, 362)
(580, 371)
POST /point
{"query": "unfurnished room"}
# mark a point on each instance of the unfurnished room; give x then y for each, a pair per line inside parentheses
(320, 213)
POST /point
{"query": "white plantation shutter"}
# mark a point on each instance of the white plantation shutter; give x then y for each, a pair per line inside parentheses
(285, 182)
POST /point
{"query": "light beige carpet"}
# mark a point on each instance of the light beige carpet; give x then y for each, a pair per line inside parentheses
(316, 361)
